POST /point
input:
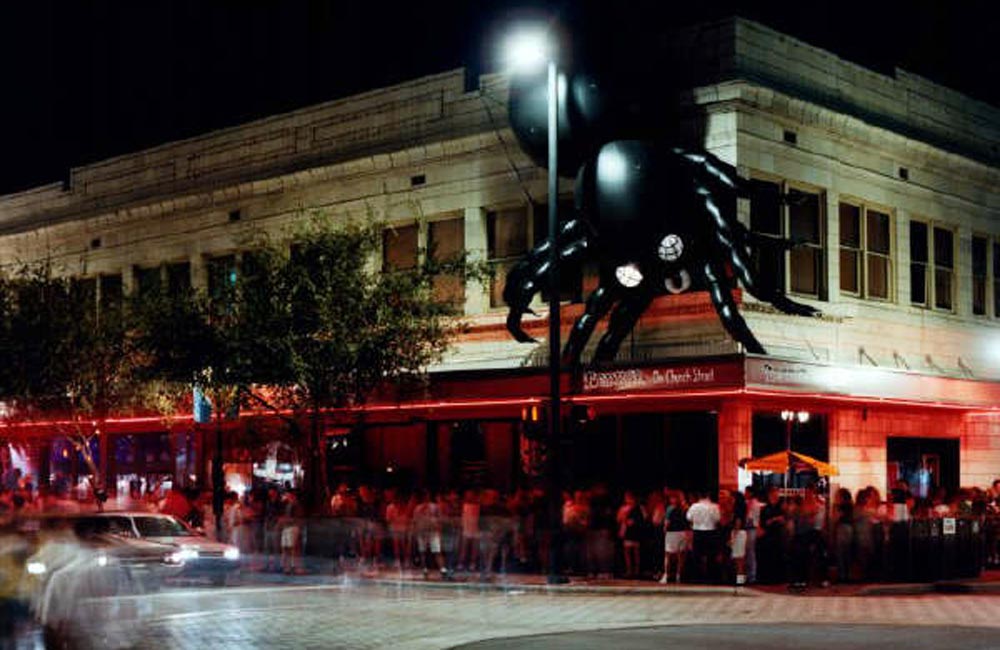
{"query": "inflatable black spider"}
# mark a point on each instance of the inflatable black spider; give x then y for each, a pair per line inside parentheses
(658, 218)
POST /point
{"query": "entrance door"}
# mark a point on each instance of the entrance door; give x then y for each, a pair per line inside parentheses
(926, 464)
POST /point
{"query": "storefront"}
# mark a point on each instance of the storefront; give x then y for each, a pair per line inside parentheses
(689, 424)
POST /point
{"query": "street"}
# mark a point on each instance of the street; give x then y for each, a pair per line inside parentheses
(414, 616)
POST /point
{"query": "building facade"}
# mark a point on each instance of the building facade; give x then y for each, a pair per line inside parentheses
(897, 205)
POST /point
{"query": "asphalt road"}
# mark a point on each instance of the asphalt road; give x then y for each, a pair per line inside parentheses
(772, 637)
(351, 616)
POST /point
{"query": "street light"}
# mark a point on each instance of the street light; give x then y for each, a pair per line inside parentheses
(790, 417)
(528, 51)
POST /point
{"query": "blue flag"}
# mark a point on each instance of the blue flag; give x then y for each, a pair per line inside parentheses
(202, 407)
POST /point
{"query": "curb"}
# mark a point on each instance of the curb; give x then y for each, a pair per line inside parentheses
(515, 587)
(943, 587)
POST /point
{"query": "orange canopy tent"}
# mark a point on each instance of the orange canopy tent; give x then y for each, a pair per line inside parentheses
(780, 462)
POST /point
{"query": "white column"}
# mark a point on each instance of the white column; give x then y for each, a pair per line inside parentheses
(477, 299)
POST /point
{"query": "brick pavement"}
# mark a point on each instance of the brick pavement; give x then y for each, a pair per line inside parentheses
(407, 616)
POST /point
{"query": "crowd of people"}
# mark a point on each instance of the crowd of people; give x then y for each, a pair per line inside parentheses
(728, 537)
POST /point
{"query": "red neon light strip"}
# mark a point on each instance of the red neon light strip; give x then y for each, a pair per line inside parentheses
(529, 400)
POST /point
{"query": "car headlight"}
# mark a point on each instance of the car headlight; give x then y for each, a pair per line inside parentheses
(231, 553)
(102, 560)
(181, 556)
(36, 568)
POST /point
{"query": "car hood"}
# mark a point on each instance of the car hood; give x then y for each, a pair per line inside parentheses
(200, 544)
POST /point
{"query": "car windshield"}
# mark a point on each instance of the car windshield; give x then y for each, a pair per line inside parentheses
(90, 526)
(161, 527)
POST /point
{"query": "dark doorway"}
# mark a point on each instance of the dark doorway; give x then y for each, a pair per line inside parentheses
(679, 450)
(925, 463)
(468, 454)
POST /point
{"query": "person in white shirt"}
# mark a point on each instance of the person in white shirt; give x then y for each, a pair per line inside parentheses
(704, 517)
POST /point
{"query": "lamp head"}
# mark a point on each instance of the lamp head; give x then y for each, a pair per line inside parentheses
(528, 50)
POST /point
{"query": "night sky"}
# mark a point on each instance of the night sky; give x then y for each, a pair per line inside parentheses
(84, 80)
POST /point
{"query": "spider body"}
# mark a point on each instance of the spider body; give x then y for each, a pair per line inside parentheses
(658, 220)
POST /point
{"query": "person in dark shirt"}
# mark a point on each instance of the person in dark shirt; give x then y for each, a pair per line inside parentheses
(770, 545)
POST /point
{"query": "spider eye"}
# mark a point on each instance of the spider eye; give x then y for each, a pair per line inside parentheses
(671, 248)
(629, 275)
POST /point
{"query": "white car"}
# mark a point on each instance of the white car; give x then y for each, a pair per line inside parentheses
(195, 554)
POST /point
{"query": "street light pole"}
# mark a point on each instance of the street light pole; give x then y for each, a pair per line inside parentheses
(555, 411)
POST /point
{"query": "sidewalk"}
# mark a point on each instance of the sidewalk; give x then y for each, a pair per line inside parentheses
(322, 573)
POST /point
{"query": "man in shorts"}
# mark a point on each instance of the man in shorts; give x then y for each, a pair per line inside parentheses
(427, 527)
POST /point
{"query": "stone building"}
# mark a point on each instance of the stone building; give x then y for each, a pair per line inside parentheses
(898, 206)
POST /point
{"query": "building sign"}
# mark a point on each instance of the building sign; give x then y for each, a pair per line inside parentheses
(864, 381)
(682, 377)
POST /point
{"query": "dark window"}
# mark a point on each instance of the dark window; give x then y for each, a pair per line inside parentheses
(919, 259)
(850, 248)
(765, 219)
(878, 255)
(178, 278)
(944, 264)
(399, 248)
(801, 219)
(507, 241)
(446, 244)
(806, 227)
(85, 291)
(111, 291)
(980, 247)
(147, 281)
(222, 274)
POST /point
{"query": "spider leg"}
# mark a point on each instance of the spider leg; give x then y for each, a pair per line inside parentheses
(598, 304)
(529, 276)
(729, 313)
(734, 239)
(623, 319)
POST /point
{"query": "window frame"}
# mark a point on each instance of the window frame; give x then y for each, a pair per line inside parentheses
(931, 266)
(987, 272)
(865, 253)
(785, 187)
(508, 261)
(953, 276)
(440, 283)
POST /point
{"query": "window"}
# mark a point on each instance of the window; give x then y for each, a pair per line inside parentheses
(446, 243)
(507, 241)
(850, 249)
(570, 272)
(222, 273)
(980, 249)
(399, 247)
(919, 259)
(85, 290)
(944, 267)
(111, 291)
(805, 262)
(147, 281)
(178, 278)
(865, 252)
(801, 270)
(932, 266)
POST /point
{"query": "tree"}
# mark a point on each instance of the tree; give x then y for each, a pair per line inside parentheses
(69, 359)
(308, 323)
